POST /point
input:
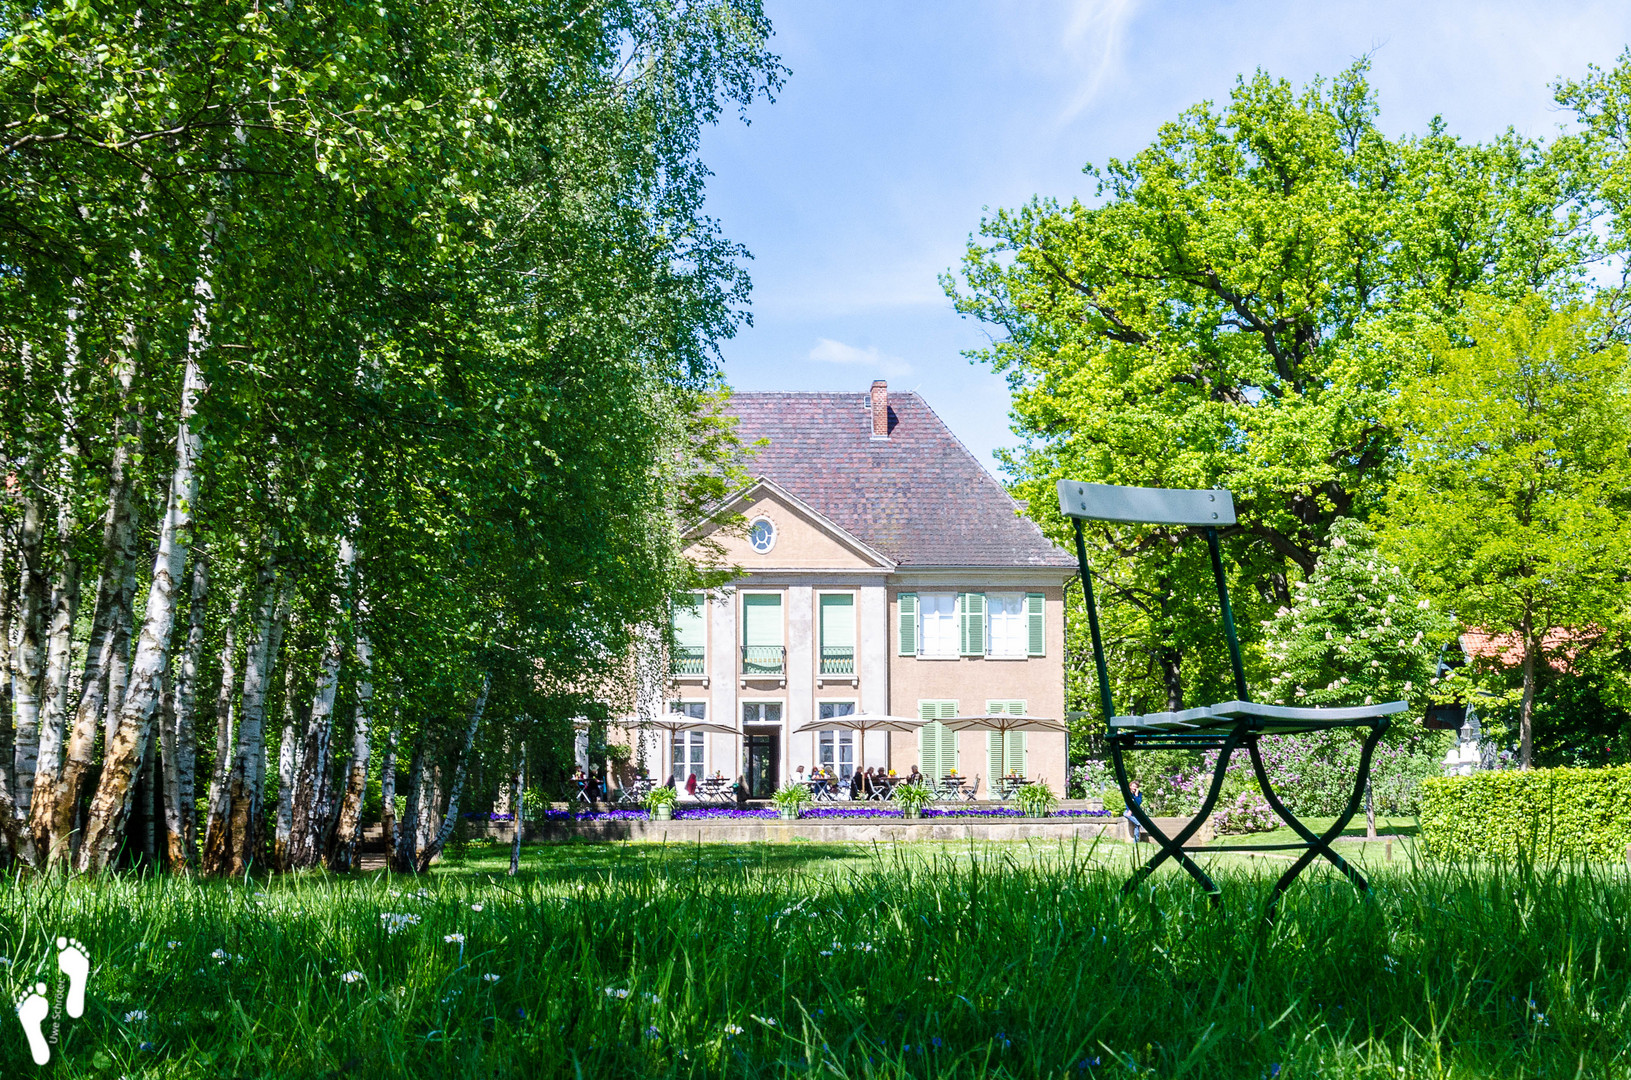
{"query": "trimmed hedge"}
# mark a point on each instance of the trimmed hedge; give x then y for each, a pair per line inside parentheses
(1552, 813)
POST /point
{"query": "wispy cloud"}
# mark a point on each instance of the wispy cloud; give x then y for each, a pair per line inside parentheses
(1093, 38)
(828, 351)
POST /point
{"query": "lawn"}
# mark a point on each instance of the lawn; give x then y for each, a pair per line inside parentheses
(840, 960)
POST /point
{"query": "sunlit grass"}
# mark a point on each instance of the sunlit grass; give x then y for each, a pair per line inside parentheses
(799, 959)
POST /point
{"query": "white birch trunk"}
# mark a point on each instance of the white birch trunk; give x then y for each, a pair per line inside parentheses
(387, 794)
(110, 809)
(27, 655)
(232, 818)
(309, 815)
(226, 695)
(181, 752)
(518, 783)
(451, 820)
(53, 824)
(287, 762)
(348, 820)
(65, 590)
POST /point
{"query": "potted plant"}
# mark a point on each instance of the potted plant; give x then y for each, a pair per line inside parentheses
(912, 798)
(660, 801)
(1037, 800)
(790, 800)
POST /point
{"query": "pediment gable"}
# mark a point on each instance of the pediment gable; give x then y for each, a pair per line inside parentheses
(803, 539)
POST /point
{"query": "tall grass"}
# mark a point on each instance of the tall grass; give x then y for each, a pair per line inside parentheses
(798, 961)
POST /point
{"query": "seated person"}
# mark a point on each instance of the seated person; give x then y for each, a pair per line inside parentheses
(914, 777)
(691, 785)
(741, 788)
(855, 784)
(669, 783)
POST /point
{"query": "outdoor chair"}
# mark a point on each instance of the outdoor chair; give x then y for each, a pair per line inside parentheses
(1227, 726)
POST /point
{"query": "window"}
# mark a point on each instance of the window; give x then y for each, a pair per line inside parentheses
(689, 746)
(1005, 753)
(1010, 631)
(762, 535)
(688, 755)
(762, 652)
(837, 747)
(838, 634)
(690, 636)
(936, 745)
(938, 619)
(761, 712)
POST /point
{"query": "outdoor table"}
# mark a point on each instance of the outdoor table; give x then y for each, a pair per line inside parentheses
(714, 785)
(1007, 785)
(636, 790)
(1228, 726)
(951, 786)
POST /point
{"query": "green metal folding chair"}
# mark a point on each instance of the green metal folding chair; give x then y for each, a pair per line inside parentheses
(1227, 726)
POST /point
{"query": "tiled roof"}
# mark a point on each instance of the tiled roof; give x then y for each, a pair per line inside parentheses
(919, 496)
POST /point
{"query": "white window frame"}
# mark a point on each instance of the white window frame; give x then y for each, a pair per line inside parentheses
(839, 743)
(1020, 619)
(947, 626)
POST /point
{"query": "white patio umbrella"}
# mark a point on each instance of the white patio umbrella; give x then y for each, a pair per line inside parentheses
(1004, 723)
(674, 722)
(863, 722)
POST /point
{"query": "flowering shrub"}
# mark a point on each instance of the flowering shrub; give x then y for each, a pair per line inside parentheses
(1249, 812)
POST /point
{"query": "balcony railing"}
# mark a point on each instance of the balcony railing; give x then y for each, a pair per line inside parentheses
(690, 660)
(764, 660)
(838, 660)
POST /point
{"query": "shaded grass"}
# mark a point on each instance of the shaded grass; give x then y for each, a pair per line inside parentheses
(983, 960)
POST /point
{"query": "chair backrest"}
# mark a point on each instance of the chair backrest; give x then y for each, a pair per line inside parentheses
(1145, 506)
(1206, 509)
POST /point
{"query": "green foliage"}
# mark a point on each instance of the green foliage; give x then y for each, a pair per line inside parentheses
(1515, 505)
(661, 795)
(1546, 813)
(791, 796)
(1037, 799)
(913, 796)
(1238, 309)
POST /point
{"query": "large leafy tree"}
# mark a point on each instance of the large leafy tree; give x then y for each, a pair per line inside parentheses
(1237, 309)
(393, 329)
(1512, 509)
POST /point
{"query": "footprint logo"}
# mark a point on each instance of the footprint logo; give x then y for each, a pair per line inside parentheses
(74, 962)
(32, 1009)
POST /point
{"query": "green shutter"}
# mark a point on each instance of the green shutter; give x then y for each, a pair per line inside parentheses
(908, 623)
(993, 756)
(762, 619)
(1036, 622)
(688, 628)
(1016, 753)
(928, 740)
(838, 621)
(971, 623)
(936, 744)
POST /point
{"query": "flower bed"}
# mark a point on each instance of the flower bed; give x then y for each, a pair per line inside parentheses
(828, 813)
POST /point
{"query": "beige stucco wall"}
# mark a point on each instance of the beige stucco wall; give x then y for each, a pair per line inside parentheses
(973, 681)
(801, 542)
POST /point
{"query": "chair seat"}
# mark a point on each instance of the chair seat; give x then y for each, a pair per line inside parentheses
(1271, 717)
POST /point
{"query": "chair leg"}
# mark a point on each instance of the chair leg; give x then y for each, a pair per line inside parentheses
(1173, 847)
(1319, 845)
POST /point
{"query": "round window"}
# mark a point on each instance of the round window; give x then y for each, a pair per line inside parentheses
(762, 535)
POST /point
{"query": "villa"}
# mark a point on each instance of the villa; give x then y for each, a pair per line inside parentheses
(883, 570)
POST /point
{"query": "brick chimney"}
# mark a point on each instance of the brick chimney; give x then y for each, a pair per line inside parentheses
(880, 410)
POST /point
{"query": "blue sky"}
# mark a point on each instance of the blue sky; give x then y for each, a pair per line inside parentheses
(903, 121)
